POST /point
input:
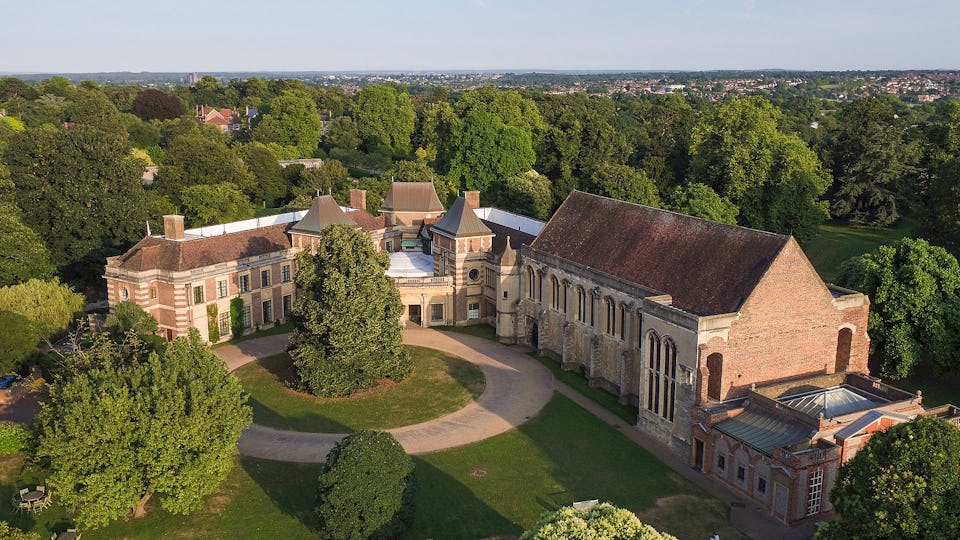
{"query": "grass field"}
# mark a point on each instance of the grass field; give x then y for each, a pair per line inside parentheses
(837, 243)
(579, 383)
(496, 487)
(440, 384)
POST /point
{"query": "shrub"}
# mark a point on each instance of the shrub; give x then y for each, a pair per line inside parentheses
(601, 521)
(213, 329)
(366, 488)
(236, 317)
(13, 437)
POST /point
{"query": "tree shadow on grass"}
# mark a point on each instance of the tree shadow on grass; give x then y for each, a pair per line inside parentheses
(292, 487)
(448, 509)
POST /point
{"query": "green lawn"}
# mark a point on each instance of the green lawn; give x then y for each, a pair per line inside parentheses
(837, 243)
(502, 485)
(440, 384)
(496, 487)
(579, 383)
(259, 499)
(938, 389)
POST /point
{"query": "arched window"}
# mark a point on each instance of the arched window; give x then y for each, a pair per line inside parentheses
(661, 376)
(581, 305)
(566, 293)
(622, 321)
(611, 318)
(539, 285)
(554, 292)
(531, 282)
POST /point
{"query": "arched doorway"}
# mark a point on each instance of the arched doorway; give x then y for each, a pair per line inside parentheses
(714, 376)
(535, 336)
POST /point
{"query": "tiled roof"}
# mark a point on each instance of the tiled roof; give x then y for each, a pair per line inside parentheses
(366, 220)
(460, 220)
(763, 430)
(708, 268)
(157, 253)
(324, 212)
(412, 197)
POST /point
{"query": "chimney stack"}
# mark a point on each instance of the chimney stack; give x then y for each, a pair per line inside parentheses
(173, 227)
(358, 199)
(471, 199)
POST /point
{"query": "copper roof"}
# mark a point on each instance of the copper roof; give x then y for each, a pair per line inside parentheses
(324, 212)
(158, 253)
(461, 220)
(763, 430)
(412, 197)
(708, 268)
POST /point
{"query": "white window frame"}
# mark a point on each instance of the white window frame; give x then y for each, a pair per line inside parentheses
(473, 312)
(815, 492)
(222, 289)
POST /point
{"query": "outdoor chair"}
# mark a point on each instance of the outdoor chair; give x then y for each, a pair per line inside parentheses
(46, 500)
(42, 489)
(23, 506)
(23, 491)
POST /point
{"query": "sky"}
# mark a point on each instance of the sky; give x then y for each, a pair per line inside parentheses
(75, 36)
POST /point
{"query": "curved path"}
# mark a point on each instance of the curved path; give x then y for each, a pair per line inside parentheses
(517, 387)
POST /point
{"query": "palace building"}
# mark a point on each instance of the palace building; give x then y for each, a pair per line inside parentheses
(736, 354)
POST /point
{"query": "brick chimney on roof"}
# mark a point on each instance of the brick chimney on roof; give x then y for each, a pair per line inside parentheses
(358, 199)
(173, 227)
(471, 199)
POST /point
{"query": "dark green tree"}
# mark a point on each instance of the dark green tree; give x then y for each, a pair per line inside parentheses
(167, 426)
(343, 134)
(129, 317)
(346, 323)
(80, 191)
(367, 488)
(331, 177)
(95, 110)
(699, 200)
(914, 306)
(904, 484)
(270, 185)
(940, 218)
(872, 165)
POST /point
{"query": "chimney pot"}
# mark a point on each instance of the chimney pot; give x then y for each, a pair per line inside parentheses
(173, 227)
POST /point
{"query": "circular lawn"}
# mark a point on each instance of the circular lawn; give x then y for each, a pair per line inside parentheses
(440, 384)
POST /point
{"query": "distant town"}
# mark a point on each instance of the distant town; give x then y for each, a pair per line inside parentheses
(911, 86)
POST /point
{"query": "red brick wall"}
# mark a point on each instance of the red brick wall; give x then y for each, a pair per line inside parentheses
(787, 327)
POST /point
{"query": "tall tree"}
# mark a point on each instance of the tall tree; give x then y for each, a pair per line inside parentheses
(167, 426)
(872, 165)
(80, 191)
(624, 183)
(384, 117)
(699, 200)
(207, 204)
(194, 159)
(19, 341)
(94, 109)
(366, 488)
(292, 122)
(270, 185)
(940, 222)
(914, 305)
(346, 324)
(22, 253)
(774, 178)
(487, 150)
(153, 104)
(905, 483)
(528, 194)
(343, 134)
